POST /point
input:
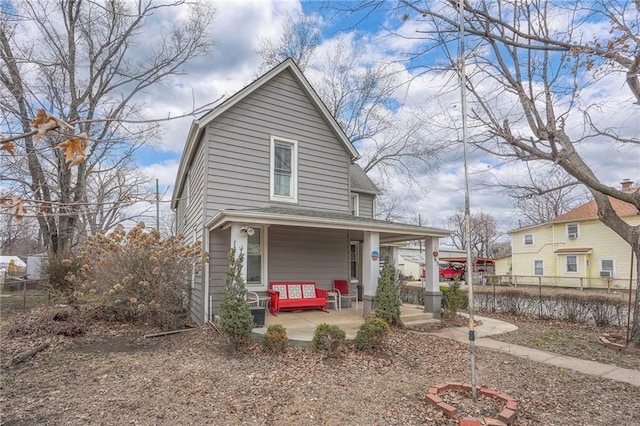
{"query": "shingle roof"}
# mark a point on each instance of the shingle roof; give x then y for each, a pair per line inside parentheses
(573, 250)
(589, 210)
(360, 182)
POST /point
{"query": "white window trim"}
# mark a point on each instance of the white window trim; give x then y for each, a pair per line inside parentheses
(264, 284)
(355, 208)
(613, 270)
(534, 268)
(577, 230)
(524, 240)
(566, 264)
(294, 170)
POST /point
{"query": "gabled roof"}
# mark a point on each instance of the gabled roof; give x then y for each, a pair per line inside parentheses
(198, 126)
(360, 182)
(590, 211)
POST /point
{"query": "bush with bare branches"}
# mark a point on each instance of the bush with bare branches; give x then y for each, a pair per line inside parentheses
(138, 271)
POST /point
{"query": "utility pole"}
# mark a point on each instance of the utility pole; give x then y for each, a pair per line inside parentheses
(157, 206)
(467, 206)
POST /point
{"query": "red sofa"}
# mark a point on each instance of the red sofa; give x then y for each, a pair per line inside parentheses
(296, 295)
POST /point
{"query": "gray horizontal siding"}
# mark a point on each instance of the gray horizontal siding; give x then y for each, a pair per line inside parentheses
(219, 244)
(191, 205)
(190, 215)
(318, 255)
(365, 204)
(239, 140)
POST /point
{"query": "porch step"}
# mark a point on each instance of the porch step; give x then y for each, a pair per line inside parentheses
(412, 315)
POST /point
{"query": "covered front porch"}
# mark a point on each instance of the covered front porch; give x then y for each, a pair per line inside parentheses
(301, 325)
(291, 245)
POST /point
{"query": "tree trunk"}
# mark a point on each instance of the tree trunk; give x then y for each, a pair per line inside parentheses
(634, 337)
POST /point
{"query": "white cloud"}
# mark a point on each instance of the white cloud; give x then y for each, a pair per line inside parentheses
(438, 195)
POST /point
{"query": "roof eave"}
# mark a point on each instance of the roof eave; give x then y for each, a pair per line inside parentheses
(189, 151)
(405, 232)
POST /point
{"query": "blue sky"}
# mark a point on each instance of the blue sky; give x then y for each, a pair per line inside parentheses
(240, 24)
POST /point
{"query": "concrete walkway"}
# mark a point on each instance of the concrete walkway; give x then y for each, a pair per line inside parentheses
(491, 327)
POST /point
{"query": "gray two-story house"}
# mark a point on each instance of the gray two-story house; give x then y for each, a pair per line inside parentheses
(271, 172)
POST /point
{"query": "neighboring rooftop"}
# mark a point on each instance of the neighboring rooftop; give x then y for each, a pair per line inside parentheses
(360, 182)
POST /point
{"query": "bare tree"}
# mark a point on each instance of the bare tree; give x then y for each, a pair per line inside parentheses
(109, 192)
(547, 193)
(521, 59)
(299, 39)
(484, 232)
(86, 62)
(18, 238)
(363, 97)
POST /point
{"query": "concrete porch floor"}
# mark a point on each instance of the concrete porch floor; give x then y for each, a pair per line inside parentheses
(301, 325)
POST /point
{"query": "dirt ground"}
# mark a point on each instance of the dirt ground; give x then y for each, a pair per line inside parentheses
(109, 374)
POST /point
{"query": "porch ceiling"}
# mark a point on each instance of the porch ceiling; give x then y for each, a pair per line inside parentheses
(390, 232)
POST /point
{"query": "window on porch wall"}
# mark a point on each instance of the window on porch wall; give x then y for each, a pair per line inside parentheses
(254, 258)
(353, 262)
(572, 264)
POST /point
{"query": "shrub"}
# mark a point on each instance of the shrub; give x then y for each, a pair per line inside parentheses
(63, 277)
(387, 303)
(573, 307)
(412, 295)
(329, 340)
(453, 299)
(236, 320)
(140, 272)
(372, 334)
(275, 340)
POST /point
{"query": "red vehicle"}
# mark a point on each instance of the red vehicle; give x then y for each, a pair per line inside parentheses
(450, 271)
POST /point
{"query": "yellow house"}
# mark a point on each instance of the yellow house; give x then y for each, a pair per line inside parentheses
(575, 249)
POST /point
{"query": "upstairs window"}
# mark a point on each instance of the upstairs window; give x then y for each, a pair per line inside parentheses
(284, 170)
(572, 231)
(355, 205)
(528, 240)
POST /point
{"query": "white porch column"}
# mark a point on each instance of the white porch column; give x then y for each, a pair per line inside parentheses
(240, 242)
(432, 294)
(394, 252)
(370, 269)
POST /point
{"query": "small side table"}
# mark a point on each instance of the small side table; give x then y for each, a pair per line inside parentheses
(332, 296)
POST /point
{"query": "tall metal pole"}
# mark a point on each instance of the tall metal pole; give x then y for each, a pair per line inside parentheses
(157, 206)
(630, 291)
(467, 206)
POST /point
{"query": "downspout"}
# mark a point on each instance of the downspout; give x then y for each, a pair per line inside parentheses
(207, 313)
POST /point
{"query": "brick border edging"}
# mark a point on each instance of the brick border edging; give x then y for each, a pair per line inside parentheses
(604, 339)
(506, 417)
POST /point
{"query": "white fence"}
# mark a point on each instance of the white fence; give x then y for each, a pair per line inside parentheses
(560, 282)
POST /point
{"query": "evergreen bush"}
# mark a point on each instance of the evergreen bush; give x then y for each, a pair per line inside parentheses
(329, 340)
(372, 334)
(453, 299)
(236, 320)
(387, 302)
(275, 340)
